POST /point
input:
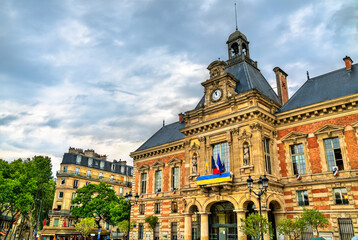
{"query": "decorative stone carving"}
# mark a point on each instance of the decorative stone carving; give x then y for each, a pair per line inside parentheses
(256, 127)
(246, 154)
(245, 136)
(194, 163)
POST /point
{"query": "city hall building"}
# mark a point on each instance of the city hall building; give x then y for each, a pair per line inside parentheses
(306, 146)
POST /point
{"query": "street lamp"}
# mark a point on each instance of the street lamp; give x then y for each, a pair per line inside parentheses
(263, 184)
(128, 198)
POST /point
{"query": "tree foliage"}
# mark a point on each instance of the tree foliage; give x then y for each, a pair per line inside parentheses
(315, 219)
(293, 228)
(99, 201)
(85, 226)
(152, 222)
(26, 190)
(255, 224)
(123, 227)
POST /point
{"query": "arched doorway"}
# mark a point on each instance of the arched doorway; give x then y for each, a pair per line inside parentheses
(251, 208)
(273, 207)
(223, 222)
(195, 223)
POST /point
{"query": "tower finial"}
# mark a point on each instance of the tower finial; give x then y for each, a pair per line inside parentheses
(235, 16)
(308, 75)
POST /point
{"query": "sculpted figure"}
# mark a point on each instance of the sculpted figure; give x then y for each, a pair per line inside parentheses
(194, 164)
(246, 155)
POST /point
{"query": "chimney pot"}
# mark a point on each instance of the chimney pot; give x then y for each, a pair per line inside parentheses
(348, 61)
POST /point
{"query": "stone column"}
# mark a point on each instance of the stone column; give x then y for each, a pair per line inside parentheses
(240, 214)
(204, 226)
(187, 226)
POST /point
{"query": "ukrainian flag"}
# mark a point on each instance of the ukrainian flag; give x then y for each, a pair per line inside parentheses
(214, 178)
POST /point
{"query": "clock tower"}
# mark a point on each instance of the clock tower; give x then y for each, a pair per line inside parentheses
(220, 86)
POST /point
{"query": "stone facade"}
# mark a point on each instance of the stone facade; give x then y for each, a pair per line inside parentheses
(79, 168)
(308, 153)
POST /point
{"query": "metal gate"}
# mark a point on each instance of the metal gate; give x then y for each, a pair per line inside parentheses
(345, 228)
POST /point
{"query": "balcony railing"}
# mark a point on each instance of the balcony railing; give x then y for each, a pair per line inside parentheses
(100, 178)
(59, 212)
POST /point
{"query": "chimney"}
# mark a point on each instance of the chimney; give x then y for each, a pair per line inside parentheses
(348, 61)
(181, 117)
(281, 82)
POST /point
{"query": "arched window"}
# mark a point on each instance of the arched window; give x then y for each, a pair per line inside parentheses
(235, 49)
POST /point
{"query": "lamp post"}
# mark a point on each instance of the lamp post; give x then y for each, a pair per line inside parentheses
(263, 184)
(128, 198)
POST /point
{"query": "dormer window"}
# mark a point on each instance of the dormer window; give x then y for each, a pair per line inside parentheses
(90, 162)
(113, 167)
(78, 159)
(101, 164)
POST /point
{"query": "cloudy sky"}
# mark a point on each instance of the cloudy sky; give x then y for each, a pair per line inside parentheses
(105, 74)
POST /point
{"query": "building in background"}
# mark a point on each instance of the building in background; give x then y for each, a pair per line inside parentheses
(79, 168)
(306, 146)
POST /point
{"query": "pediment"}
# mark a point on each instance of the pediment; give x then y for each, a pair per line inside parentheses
(175, 161)
(143, 168)
(329, 129)
(195, 147)
(158, 164)
(293, 136)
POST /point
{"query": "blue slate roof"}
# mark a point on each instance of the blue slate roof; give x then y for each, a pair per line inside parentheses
(328, 86)
(249, 78)
(168, 133)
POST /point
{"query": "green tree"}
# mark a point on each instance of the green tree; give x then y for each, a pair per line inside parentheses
(85, 226)
(123, 227)
(315, 219)
(152, 222)
(98, 200)
(293, 228)
(255, 224)
(119, 211)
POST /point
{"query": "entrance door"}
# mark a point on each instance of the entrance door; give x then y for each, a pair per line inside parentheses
(222, 222)
(271, 219)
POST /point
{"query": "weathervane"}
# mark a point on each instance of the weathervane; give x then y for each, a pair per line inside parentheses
(235, 16)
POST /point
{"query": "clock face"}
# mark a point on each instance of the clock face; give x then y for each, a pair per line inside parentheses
(216, 95)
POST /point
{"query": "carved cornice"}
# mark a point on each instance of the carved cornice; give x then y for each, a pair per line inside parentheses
(230, 120)
(175, 161)
(245, 136)
(143, 168)
(158, 150)
(158, 165)
(335, 106)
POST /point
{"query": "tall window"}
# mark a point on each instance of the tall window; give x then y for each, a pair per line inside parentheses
(174, 207)
(174, 231)
(302, 197)
(143, 182)
(141, 209)
(100, 176)
(140, 231)
(55, 222)
(65, 168)
(267, 154)
(74, 195)
(298, 159)
(223, 150)
(333, 153)
(90, 162)
(158, 181)
(77, 171)
(101, 164)
(121, 191)
(60, 195)
(88, 173)
(78, 159)
(112, 178)
(156, 208)
(175, 178)
(340, 196)
(63, 181)
(75, 184)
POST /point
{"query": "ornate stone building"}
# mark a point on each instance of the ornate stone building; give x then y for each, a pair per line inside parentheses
(306, 146)
(79, 168)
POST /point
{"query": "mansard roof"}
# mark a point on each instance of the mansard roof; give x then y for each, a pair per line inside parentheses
(168, 133)
(325, 87)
